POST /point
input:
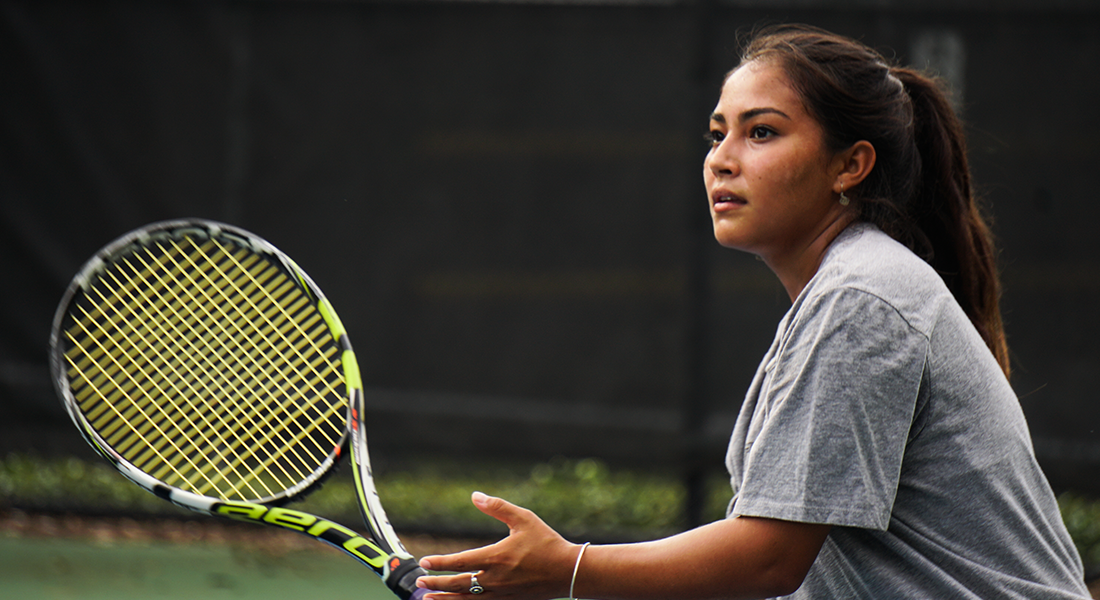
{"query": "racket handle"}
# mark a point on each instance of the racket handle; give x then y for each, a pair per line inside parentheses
(403, 573)
(419, 593)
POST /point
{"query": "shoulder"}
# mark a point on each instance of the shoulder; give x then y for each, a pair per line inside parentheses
(869, 268)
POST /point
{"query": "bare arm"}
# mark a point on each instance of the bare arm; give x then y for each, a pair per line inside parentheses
(733, 558)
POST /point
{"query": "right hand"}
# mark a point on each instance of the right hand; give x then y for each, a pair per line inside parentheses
(533, 563)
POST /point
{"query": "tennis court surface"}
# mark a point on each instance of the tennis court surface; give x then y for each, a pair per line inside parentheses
(53, 558)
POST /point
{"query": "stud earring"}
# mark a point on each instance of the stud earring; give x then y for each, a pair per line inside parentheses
(843, 199)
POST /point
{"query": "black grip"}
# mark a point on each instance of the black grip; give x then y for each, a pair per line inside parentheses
(403, 573)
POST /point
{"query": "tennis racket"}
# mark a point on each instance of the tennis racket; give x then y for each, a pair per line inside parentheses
(209, 369)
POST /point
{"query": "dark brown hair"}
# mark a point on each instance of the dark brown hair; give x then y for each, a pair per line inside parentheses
(919, 191)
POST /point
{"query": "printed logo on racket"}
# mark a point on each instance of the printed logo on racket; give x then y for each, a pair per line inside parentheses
(322, 529)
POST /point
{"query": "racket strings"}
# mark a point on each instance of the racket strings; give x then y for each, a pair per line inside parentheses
(108, 373)
(190, 361)
(148, 429)
(139, 459)
(178, 345)
(141, 400)
(279, 379)
(287, 443)
(308, 329)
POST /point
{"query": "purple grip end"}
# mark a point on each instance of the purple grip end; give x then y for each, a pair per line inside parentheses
(419, 593)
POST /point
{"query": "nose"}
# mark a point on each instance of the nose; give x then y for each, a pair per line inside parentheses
(721, 161)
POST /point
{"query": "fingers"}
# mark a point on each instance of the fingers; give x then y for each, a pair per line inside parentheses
(469, 560)
(531, 562)
(514, 517)
(451, 587)
(502, 510)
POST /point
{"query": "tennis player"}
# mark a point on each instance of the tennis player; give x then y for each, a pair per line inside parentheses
(880, 451)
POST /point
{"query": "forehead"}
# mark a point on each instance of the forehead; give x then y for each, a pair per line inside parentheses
(758, 84)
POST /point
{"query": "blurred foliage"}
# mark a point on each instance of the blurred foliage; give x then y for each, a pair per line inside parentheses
(583, 499)
(1082, 518)
(71, 483)
(580, 498)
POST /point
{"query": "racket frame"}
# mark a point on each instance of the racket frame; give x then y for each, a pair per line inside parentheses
(383, 552)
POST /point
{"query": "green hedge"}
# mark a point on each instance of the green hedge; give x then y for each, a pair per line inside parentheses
(579, 498)
(1082, 518)
(583, 499)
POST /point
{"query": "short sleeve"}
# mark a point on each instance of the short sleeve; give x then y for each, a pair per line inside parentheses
(833, 415)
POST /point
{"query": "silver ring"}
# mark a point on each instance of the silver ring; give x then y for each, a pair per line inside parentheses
(475, 587)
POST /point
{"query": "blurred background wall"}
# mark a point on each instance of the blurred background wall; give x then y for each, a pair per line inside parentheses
(504, 200)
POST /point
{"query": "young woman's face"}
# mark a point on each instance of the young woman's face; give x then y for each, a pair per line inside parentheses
(769, 175)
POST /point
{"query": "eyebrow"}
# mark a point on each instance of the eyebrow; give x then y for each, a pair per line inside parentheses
(750, 114)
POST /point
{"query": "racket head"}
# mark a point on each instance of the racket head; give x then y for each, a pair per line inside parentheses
(198, 358)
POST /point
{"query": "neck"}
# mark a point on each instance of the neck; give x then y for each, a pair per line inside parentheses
(797, 267)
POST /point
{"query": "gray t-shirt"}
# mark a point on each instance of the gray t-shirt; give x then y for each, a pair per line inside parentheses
(879, 410)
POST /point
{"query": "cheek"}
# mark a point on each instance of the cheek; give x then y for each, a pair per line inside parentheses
(793, 176)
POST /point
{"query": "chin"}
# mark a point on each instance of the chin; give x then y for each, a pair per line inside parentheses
(727, 238)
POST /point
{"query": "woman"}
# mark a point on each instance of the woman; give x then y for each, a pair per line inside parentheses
(880, 451)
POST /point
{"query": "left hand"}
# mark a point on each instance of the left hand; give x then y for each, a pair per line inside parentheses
(534, 562)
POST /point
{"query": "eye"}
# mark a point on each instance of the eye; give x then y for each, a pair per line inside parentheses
(760, 132)
(714, 137)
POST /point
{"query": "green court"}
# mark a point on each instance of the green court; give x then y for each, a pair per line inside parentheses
(59, 568)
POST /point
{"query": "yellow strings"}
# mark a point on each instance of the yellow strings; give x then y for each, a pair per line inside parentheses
(208, 368)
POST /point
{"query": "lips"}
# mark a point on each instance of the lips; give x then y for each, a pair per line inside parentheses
(723, 200)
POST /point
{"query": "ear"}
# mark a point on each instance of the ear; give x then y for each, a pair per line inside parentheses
(854, 165)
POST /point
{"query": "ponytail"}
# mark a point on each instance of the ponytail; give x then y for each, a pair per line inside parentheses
(957, 241)
(919, 191)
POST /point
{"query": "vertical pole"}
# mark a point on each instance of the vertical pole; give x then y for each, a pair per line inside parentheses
(233, 25)
(697, 287)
